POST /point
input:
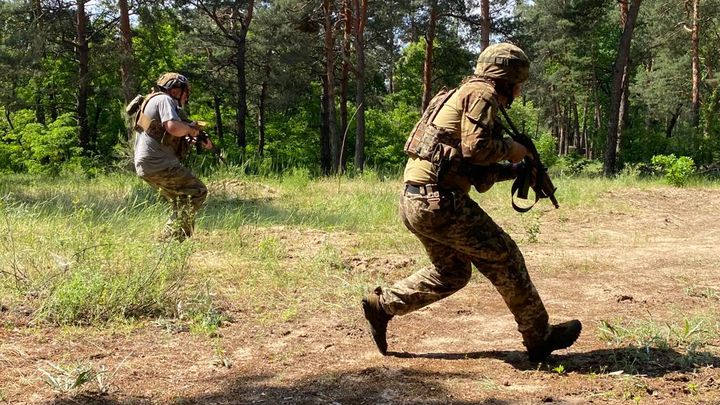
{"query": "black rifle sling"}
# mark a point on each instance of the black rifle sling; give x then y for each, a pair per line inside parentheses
(521, 185)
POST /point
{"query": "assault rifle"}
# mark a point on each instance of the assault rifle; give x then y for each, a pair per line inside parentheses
(201, 138)
(202, 135)
(533, 168)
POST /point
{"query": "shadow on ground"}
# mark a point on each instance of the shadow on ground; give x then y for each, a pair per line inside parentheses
(376, 385)
(386, 385)
(650, 362)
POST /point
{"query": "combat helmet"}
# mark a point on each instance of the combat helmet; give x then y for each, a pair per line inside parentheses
(503, 61)
(172, 80)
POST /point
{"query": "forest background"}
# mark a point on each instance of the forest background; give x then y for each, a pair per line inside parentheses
(336, 85)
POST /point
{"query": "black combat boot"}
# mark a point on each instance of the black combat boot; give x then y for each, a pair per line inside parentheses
(377, 318)
(561, 336)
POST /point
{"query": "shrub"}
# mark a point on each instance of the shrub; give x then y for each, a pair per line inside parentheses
(547, 149)
(676, 171)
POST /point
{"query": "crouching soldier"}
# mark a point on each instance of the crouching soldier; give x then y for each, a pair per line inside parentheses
(458, 138)
(162, 139)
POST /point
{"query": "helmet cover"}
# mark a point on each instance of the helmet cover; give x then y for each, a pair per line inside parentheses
(503, 61)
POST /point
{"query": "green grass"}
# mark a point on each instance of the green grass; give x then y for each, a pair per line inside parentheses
(85, 251)
(691, 337)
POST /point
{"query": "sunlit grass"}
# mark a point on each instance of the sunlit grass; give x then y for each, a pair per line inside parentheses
(85, 251)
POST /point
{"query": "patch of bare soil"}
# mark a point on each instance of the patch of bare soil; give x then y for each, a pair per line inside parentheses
(652, 256)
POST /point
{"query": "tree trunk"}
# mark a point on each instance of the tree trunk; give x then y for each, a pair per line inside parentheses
(428, 62)
(127, 62)
(8, 118)
(325, 156)
(241, 100)
(218, 118)
(672, 121)
(330, 75)
(261, 106)
(576, 143)
(624, 103)
(584, 131)
(617, 89)
(39, 92)
(82, 52)
(345, 73)
(234, 25)
(485, 29)
(695, 111)
(361, 13)
(52, 105)
(39, 108)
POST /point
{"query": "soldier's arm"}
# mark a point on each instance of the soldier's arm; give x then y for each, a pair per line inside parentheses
(180, 129)
(171, 121)
(478, 144)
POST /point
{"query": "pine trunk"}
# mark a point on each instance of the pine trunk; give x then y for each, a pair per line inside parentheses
(330, 78)
(623, 56)
(485, 29)
(361, 13)
(428, 62)
(82, 52)
(695, 111)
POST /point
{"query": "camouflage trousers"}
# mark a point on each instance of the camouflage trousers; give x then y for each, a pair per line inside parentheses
(185, 193)
(456, 236)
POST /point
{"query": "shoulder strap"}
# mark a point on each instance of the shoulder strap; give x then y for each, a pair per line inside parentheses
(141, 112)
(442, 102)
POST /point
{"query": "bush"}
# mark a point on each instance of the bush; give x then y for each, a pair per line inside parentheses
(676, 171)
(547, 149)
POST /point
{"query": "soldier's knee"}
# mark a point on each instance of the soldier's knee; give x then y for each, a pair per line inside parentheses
(458, 282)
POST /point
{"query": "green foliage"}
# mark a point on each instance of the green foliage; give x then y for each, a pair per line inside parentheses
(574, 163)
(456, 64)
(676, 171)
(42, 149)
(387, 132)
(524, 116)
(547, 149)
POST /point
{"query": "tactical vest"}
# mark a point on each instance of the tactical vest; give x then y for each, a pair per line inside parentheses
(432, 143)
(154, 129)
(427, 141)
(438, 145)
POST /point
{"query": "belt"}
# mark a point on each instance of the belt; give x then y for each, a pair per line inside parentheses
(423, 189)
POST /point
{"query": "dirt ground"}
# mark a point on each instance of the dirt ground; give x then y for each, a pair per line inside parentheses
(653, 256)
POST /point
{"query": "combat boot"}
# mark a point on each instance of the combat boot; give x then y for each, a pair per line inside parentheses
(561, 336)
(378, 319)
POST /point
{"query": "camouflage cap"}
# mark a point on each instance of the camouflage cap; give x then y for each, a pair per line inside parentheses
(171, 80)
(503, 61)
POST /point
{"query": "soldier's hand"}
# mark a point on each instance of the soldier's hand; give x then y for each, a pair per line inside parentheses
(207, 144)
(193, 131)
(517, 152)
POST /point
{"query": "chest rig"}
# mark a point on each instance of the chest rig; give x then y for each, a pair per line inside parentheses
(154, 129)
(439, 145)
(429, 142)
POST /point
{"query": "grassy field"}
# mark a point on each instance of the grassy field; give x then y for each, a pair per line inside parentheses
(82, 258)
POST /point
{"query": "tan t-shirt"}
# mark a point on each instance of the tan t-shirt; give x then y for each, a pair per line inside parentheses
(470, 116)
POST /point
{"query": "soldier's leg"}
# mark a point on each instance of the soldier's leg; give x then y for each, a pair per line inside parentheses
(185, 193)
(450, 271)
(498, 258)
